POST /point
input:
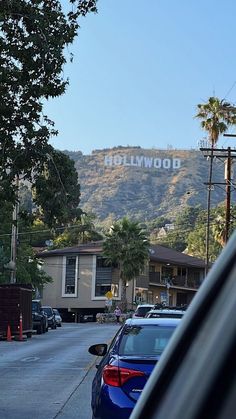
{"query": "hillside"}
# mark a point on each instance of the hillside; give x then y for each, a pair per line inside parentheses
(145, 183)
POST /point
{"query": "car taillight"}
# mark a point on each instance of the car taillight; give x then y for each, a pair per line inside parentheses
(115, 376)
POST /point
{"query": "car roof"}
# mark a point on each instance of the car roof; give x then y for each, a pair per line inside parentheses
(166, 310)
(144, 305)
(149, 321)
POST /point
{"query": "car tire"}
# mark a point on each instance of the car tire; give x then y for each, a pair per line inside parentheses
(40, 329)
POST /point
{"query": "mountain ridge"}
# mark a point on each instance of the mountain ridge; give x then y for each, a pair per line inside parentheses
(144, 183)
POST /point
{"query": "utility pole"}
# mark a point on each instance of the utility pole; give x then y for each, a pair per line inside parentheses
(228, 194)
(228, 189)
(220, 154)
(14, 235)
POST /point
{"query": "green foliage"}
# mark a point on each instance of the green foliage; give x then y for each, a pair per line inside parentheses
(56, 190)
(159, 222)
(216, 117)
(189, 234)
(82, 231)
(33, 38)
(29, 268)
(126, 244)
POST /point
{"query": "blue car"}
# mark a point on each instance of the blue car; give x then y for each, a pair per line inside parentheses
(127, 364)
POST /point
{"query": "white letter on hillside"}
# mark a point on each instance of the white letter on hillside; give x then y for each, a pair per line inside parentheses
(148, 161)
(176, 163)
(125, 162)
(108, 161)
(166, 163)
(132, 162)
(117, 160)
(139, 160)
(157, 163)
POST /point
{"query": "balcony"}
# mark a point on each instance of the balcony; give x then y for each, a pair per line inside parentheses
(177, 281)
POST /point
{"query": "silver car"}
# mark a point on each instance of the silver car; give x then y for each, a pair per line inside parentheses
(57, 317)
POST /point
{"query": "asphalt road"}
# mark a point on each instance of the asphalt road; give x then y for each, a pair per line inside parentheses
(49, 376)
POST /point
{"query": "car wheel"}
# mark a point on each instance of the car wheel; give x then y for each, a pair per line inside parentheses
(39, 329)
(29, 335)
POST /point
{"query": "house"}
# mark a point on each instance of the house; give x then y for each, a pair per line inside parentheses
(82, 278)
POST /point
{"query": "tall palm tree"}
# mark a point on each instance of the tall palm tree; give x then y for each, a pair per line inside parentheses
(216, 117)
(126, 244)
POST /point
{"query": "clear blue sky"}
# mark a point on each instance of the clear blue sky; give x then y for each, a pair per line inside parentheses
(140, 68)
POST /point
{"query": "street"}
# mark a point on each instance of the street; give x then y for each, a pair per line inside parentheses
(49, 376)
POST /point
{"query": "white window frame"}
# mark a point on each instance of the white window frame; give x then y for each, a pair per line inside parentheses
(63, 293)
(93, 297)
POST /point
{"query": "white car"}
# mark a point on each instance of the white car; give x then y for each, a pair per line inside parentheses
(57, 317)
(142, 310)
(165, 312)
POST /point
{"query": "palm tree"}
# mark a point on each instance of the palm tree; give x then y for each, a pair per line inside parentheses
(126, 244)
(216, 116)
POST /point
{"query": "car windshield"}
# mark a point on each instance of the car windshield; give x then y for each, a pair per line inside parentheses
(141, 311)
(145, 340)
(47, 310)
(35, 306)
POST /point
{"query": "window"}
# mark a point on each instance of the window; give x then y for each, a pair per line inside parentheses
(103, 277)
(181, 272)
(145, 340)
(104, 281)
(70, 276)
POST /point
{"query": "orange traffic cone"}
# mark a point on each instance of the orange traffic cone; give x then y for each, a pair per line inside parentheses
(8, 334)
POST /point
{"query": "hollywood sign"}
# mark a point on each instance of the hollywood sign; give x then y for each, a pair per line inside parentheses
(142, 161)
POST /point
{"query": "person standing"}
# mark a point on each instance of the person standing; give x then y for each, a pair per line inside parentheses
(117, 313)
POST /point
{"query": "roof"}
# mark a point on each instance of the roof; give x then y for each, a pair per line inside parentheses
(83, 249)
(165, 254)
(157, 254)
(157, 321)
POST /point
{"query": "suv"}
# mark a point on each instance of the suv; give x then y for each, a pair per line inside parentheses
(51, 316)
(39, 318)
(170, 313)
(142, 310)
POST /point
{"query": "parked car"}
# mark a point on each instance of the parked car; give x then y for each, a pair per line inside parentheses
(142, 310)
(57, 317)
(39, 318)
(127, 364)
(165, 312)
(51, 316)
(196, 375)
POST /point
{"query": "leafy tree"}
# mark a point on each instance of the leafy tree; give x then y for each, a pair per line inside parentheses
(33, 37)
(159, 222)
(126, 244)
(56, 190)
(82, 231)
(174, 240)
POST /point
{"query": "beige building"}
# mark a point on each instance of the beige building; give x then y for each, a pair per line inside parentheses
(81, 280)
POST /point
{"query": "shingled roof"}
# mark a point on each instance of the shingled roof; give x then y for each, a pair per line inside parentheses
(164, 254)
(157, 253)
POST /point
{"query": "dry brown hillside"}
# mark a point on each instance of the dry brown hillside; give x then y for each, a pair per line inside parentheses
(144, 183)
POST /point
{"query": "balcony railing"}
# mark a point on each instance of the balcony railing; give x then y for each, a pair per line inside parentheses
(177, 281)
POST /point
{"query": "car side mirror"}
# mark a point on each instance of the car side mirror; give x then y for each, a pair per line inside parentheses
(98, 350)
